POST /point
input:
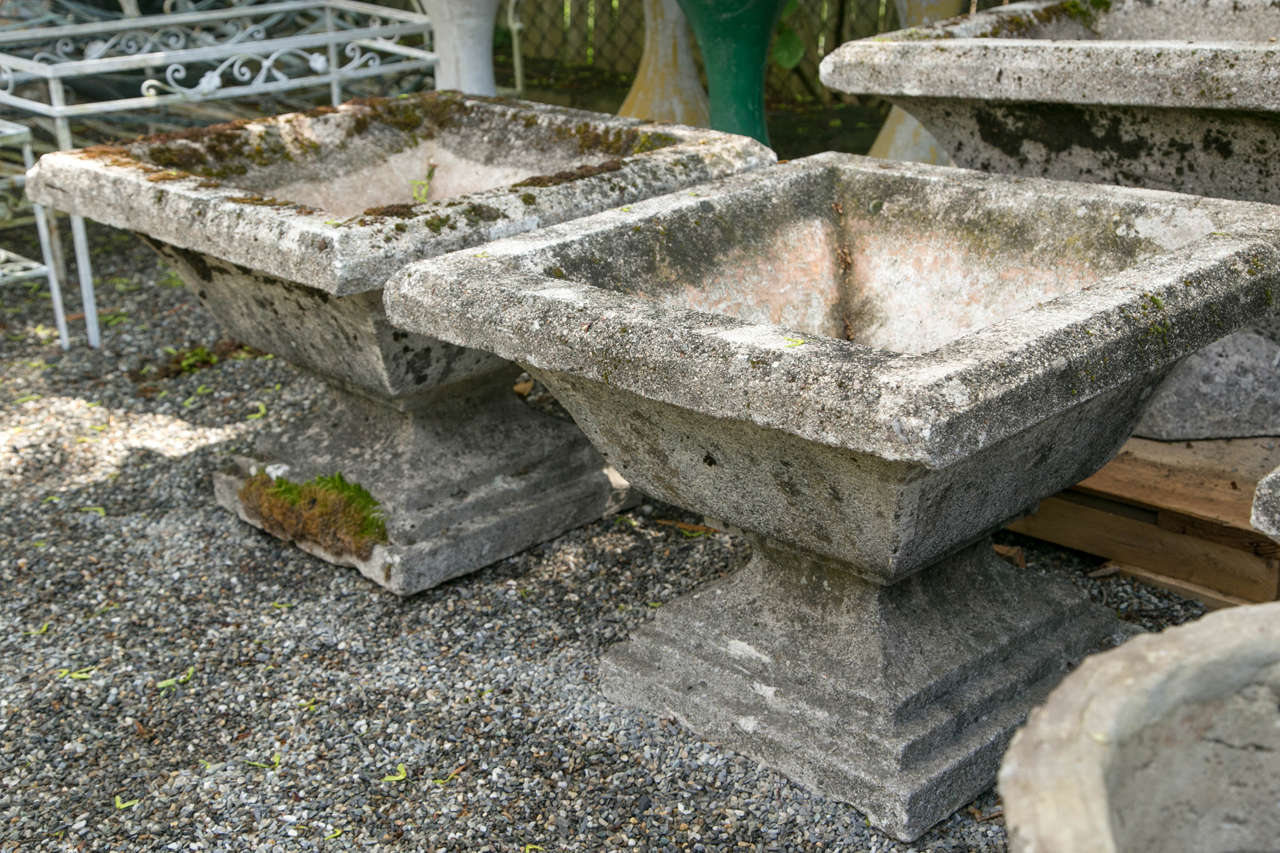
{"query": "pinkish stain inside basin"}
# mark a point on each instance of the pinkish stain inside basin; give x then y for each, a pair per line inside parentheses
(900, 265)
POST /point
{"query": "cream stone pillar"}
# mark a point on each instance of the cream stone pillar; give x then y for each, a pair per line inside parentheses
(463, 39)
(902, 137)
(667, 86)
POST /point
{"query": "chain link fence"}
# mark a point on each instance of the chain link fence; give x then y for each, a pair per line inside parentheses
(609, 34)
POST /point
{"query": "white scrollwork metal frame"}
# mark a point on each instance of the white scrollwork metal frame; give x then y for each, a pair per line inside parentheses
(230, 52)
(237, 49)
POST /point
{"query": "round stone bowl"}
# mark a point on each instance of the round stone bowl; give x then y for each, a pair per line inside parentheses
(1169, 743)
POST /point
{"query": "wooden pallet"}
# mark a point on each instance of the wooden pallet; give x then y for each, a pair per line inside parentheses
(1175, 514)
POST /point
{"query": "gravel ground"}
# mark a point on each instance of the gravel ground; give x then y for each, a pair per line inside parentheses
(173, 679)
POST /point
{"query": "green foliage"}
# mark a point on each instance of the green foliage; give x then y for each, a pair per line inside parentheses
(788, 47)
(196, 358)
(422, 189)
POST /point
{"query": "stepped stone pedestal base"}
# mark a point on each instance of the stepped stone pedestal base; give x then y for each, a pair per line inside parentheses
(454, 499)
(898, 699)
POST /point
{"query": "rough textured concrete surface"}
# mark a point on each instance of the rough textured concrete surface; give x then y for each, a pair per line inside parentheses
(1170, 742)
(1264, 515)
(1228, 390)
(884, 696)
(1166, 94)
(869, 366)
(287, 228)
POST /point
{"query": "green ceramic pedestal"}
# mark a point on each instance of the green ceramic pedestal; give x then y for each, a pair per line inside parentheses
(734, 36)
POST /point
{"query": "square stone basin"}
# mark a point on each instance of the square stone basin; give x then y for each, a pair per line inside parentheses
(867, 367)
(287, 228)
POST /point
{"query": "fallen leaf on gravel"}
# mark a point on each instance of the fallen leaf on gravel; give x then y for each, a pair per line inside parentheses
(123, 804)
(1011, 554)
(452, 775)
(982, 818)
(398, 776)
(275, 762)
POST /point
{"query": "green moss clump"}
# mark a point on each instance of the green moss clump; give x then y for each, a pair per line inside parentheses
(570, 175)
(529, 198)
(339, 516)
(477, 213)
(260, 201)
(396, 211)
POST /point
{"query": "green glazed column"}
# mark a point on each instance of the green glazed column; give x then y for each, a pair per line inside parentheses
(734, 36)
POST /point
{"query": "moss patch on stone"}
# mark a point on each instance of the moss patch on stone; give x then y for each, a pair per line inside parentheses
(339, 516)
(569, 175)
(395, 211)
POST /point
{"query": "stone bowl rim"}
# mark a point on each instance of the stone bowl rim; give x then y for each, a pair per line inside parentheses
(1066, 743)
(950, 393)
(939, 61)
(325, 250)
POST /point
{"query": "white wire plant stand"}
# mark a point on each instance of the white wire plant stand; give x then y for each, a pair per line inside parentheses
(236, 51)
(15, 267)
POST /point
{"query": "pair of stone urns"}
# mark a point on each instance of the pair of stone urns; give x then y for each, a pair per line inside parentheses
(866, 367)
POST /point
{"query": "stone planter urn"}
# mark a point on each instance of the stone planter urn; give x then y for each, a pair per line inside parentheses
(462, 37)
(867, 367)
(667, 87)
(1168, 94)
(288, 227)
(1169, 743)
(902, 137)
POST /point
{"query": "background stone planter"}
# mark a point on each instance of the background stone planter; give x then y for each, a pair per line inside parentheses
(287, 229)
(1170, 742)
(868, 368)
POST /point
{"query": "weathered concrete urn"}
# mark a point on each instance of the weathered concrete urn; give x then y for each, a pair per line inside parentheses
(287, 229)
(1169, 743)
(1167, 94)
(867, 367)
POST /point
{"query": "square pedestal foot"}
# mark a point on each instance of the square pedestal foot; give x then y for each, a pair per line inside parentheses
(897, 699)
(461, 483)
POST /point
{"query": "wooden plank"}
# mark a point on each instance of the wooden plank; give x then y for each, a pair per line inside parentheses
(1210, 480)
(1224, 534)
(1139, 542)
(1210, 598)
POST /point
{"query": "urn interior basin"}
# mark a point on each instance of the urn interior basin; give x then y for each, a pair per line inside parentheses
(287, 228)
(867, 367)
